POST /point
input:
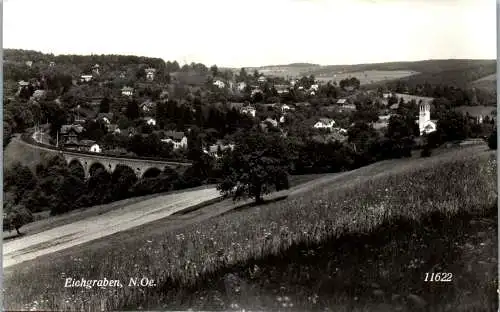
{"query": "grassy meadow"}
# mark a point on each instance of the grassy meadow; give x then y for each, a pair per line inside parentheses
(488, 82)
(362, 243)
(369, 76)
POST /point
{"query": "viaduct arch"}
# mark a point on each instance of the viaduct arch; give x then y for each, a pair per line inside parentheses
(141, 167)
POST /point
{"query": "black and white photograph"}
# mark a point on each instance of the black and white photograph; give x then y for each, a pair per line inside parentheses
(237, 155)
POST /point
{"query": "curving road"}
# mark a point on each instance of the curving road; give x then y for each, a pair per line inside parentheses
(129, 216)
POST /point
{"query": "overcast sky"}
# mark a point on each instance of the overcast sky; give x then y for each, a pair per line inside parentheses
(256, 32)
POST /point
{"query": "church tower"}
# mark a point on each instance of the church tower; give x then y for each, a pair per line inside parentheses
(425, 116)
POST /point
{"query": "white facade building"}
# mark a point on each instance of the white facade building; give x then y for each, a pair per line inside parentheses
(425, 124)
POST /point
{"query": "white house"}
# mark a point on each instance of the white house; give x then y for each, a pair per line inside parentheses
(386, 95)
(85, 78)
(52, 64)
(262, 79)
(95, 69)
(95, 148)
(176, 144)
(249, 110)
(29, 63)
(314, 87)
(285, 108)
(127, 91)
(242, 85)
(341, 101)
(220, 84)
(324, 123)
(150, 121)
(425, 124)
(150, 74)
(271, 121)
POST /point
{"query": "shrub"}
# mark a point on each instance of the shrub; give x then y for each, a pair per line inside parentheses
(492, 140)
(426, 152)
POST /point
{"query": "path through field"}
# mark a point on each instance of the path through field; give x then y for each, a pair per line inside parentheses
(129, 216)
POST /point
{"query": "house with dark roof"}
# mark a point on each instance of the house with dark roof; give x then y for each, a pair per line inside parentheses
(174, 135)
(69, 135)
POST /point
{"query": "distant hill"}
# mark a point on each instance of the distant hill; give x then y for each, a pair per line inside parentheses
(454, 72)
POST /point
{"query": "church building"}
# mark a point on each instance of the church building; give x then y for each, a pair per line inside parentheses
(425, 124)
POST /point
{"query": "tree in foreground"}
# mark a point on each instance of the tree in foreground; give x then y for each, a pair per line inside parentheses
(256, 166)
(14, 215)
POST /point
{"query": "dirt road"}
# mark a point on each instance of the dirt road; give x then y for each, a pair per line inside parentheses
(129, 216)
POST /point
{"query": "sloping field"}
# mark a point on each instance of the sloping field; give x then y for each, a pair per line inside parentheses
(488, 83)
(369, 76)
(81, 231)
(18, 152)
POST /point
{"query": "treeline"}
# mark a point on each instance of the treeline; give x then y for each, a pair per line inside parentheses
(455, 95)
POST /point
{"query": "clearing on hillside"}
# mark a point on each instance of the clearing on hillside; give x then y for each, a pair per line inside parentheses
(369, 76)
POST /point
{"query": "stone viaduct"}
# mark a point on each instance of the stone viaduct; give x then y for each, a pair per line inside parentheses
(91, 161)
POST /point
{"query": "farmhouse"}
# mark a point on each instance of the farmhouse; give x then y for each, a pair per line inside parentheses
(29, 63)
(69, 134)
(324, 123)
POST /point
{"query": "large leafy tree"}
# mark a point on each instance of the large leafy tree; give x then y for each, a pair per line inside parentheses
(257, 165)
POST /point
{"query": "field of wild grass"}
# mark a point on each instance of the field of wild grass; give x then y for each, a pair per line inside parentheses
(184, 260)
